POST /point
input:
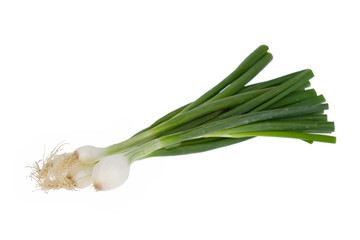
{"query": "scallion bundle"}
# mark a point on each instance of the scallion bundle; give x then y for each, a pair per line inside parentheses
(231, 112)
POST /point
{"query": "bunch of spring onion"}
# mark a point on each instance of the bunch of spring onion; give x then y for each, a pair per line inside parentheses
(231, 112)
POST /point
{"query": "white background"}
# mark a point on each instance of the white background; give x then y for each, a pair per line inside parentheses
(95, 72)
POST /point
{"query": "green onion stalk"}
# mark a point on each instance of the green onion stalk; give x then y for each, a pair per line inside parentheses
(231, 112)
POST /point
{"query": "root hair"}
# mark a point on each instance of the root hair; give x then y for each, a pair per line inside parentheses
(50, 173)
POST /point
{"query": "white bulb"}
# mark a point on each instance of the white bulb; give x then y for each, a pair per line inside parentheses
(89, 154)
(80, 175)
(110, 172)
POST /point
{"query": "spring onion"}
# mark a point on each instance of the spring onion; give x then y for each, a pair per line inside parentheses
(231, 112)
